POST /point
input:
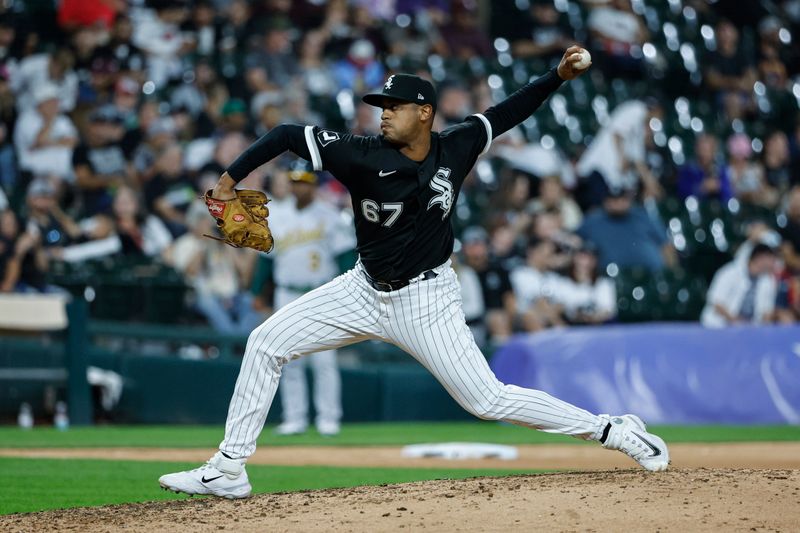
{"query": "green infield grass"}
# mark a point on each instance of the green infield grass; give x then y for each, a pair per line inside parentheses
(372, 434)
(40, 484)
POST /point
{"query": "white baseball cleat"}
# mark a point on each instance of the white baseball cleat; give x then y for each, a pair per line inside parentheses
(328, 429)
(629, 435)
(291, 428)
(220, 476)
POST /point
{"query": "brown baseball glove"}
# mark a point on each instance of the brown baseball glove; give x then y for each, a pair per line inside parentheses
(242, 220)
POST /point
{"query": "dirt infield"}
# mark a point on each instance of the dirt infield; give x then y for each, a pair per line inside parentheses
(633, 500)
(534, 457)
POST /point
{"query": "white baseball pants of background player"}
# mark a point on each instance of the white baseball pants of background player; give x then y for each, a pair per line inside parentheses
(327, 395)
(425, 319)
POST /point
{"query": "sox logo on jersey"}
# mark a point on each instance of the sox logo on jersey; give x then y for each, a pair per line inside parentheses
(442, 185)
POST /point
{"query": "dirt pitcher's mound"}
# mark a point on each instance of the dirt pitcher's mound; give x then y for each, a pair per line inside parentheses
(634, 500)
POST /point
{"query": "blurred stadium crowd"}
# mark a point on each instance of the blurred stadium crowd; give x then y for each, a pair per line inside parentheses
(664, 181)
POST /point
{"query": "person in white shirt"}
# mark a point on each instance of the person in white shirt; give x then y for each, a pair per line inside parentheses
(158, 34)
(617, 36)
(472, 303)
(41, 69)
(586, 297)
(616, 157)
(217, 273)
(743, 292)
(310, 236)
(537, 289)
(44, 138)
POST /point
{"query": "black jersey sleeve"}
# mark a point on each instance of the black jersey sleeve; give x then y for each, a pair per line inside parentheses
(519, 106)
(270, 145)
(338, 153)
(472, 137)
(325, 149)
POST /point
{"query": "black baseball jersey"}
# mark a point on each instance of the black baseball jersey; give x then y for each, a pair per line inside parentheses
(402, 207)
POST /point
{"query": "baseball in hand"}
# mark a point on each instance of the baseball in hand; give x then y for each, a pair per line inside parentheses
(585, 60)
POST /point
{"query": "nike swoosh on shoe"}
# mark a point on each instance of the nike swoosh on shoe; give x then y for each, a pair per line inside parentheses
(656, 450)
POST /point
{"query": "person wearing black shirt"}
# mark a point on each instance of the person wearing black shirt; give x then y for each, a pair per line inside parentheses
(497, 293)
(100, 162)
(403, 185)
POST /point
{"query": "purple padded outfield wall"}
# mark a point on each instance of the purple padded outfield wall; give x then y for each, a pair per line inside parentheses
(665, 373)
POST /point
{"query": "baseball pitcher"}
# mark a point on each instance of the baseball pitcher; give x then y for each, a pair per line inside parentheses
(404, 184)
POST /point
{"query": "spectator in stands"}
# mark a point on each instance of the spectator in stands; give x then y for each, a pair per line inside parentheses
(217, 273)
(730, 69)
(8, 42)
(9, 233)
(315, 69)
(498, 295)
(84, 42)
(794, 150)
(464, 36)
(705, 177)
(275, 54)
(120, 45)
(587, 297)
(158, 35)
(471, 299)
(790, 247)
(777, 162)
(537, 289)
(787, 302)
(770, 68)
(45, 138)
(170, 192)
(746, 175)
(103, 74)
(504, 242)
(743, 293)
(42, 211)
(201, 31)
(56, 69)
(225, 152)
(509, 203)
(626, 235)
(787, 306)
(194, 96)
(539, 33)
(139, 233)
(8, 118)
(547, 226)
(238, 29)
(616, 156)
(100, 162)
(360, 70)
(415, 42)
(553, 198)
(365, 23)
(618, 35)
(233, 117)
(159, 133)
(126, 100)
(24, 259)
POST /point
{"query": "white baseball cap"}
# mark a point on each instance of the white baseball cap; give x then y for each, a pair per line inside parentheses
(44, 92)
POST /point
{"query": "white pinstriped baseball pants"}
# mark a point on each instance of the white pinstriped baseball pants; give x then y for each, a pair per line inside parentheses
(424, 319)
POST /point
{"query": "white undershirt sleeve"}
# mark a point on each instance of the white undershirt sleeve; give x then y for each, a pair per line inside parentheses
(488, 126)
(313, 149)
